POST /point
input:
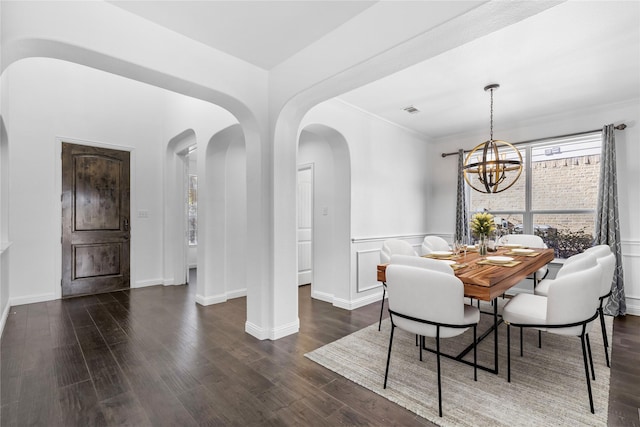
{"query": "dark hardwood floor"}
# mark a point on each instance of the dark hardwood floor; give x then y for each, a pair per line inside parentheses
(151, 356)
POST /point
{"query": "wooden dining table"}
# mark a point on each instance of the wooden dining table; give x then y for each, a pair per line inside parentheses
(486, 281)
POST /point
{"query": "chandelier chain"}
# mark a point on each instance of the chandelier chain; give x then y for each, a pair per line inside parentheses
(491, 120)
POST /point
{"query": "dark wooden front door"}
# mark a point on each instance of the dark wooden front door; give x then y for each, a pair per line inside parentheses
(95, 220)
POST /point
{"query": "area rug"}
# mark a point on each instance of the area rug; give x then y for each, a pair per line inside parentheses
(547, 388)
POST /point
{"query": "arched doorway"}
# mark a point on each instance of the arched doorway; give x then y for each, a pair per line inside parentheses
(222, 232)
(327, 150)
(254, 157)
(176, 264)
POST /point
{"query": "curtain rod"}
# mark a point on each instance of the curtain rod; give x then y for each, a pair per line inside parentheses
(618, 127)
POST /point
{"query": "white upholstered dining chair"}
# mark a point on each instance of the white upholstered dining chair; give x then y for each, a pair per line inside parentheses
(392, 247)
(529, 241)
(572, 264)
(609, 264)
(421, 262)
(569, 309)
(428, 303)
(607, 261)
(434, 243)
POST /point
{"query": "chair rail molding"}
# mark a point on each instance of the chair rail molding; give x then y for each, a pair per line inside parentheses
(358, 240)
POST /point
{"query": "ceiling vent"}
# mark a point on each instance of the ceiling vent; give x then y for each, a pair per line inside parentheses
(411, 109)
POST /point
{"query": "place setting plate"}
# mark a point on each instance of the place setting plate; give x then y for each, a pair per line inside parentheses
(504, 261)
(499, 259)
(522, 252)
(441, 254)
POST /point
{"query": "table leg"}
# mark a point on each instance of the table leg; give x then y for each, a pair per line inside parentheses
(495, 334)
(493, 328)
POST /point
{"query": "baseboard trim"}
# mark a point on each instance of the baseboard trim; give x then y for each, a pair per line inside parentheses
(31, 299)
(255, 331)
(274, 333)
(357, 303)
(214, 299)
(146, 283)
(322, 296)
(237, 293)
(633, 306)
(285, 330)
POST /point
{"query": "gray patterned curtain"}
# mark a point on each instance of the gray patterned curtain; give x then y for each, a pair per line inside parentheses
(607, 220)
(462, 218)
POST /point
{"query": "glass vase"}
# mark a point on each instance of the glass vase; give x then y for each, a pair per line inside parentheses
(482, 245)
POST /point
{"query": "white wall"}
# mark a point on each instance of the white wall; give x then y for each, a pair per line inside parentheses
(628, 158)
(4, 206)
(73, 101)
(381, 154)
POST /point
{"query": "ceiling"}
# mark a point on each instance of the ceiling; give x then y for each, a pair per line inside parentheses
(576, 55)
(262, 32)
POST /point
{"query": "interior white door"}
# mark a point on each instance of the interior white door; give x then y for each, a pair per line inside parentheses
(305, 225)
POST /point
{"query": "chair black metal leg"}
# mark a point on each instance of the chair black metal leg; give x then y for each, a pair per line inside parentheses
(539, 338)
(605, 339)
(439, 381)
(586, 370)
(520, 341)
(384, 291)
(593, 372)
(475, 357)
(386, 372)
(509, 353)
(535, 280)
(421, 346)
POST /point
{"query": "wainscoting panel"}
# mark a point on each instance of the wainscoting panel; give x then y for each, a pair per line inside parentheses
(367, 260)
(631, 265)
(365, 287)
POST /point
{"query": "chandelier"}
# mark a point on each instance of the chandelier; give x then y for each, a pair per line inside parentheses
(492, 166)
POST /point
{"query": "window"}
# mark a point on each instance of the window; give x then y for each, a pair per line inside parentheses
(192, 207)
(555, 197)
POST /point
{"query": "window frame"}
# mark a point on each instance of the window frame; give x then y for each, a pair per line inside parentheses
(528, 213)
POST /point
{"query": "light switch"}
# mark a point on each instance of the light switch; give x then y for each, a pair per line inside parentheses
(143, 214)
(324, 211)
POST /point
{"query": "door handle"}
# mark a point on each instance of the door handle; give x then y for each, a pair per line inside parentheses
(126, 224)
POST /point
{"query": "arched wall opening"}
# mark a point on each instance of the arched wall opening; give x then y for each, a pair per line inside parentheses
(327, 150)
(176, 263)
(169, 164)
(222, 211)
(4, 221)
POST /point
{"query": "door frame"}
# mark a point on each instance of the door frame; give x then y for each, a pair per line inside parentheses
(309, 167)
(57, 215)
